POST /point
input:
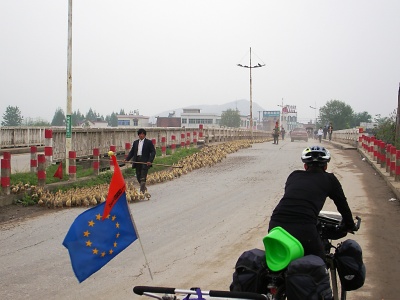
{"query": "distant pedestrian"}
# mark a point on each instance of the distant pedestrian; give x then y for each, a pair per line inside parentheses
(325, 131)
(275, 134)
(283, 133)
(330, 130)
(320, 133)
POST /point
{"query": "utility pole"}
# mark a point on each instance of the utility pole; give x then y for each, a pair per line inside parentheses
(281, 114)
(68, 121)
(251, 91)
(397, 138)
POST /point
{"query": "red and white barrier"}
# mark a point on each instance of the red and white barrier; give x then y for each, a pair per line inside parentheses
(48, 146)
(187, 139)
(96, 161)
(173, 144)
(6, 172)
(183, 142)
(163, 146)
(72, 165)
(34, 162)
(194, 138)
(41, 172)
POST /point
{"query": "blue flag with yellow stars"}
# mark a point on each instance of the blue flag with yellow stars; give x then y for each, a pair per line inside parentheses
(93, 242)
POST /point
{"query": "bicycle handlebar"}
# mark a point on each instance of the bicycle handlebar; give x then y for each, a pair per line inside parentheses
(140, 290)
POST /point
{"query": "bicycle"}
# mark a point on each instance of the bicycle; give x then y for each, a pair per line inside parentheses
(167, 293)
(330, 228)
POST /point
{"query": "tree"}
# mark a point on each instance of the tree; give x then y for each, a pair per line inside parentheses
(91, 115)
(112, 120)
(36, 122)
(12, 116)
(59, 118)
(338, 113)
(361, 117)
(385, 131)
(76, 118)
(230, 118)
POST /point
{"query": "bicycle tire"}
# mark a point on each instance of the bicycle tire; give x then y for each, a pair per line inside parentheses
(342, 294)
(280, 293)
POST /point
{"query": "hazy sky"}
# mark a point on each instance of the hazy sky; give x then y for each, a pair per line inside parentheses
(156, 56)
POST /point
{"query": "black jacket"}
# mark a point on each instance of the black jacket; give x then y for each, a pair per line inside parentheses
(305, 195)
(148, 152)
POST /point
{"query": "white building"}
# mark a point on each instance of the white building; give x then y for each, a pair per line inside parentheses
(192, 118)
(133, 120)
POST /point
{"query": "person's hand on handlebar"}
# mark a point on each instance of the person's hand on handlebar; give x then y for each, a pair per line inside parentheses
(353, 229)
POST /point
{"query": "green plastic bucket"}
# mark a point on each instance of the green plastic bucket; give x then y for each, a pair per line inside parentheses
(281, 248)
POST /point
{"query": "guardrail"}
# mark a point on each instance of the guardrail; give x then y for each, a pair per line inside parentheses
(348, 136)
(84, 140)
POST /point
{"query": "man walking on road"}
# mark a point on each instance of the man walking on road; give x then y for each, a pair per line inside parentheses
(330, 129)
(143, 154)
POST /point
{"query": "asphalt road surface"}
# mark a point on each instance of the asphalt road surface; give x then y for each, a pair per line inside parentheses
(194, 228)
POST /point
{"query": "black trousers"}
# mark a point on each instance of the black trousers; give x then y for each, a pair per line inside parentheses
(141, 171)
(307, 234)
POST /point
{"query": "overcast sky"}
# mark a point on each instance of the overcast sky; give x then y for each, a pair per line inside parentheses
(160, 55)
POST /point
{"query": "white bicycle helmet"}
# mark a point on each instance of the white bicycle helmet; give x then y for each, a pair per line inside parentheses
(315, 155)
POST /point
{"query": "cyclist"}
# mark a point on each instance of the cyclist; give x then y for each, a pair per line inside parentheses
(304, 197)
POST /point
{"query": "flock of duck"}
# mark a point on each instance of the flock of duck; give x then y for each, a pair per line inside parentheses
(91, 196)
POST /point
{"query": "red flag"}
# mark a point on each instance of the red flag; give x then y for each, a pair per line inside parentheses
(59, 172)
(116, 189)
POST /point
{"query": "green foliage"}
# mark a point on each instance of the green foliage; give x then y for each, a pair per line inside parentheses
(386, 130)
(59, 118)
(112, 120)
(91, 115)
(27, 200)
(87, 177)
(338, 113)
(76, 118)
(12, 116)
(361, 117)
(36, 122)
(230, 118)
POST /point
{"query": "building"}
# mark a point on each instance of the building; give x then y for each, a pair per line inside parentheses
(93, 124)
(289, 117)
(192, 118)
(169, 122)
(133, 120)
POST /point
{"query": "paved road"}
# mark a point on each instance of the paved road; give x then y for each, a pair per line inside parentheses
(193, 230)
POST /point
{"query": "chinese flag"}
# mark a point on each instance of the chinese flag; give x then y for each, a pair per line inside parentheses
(59, 172)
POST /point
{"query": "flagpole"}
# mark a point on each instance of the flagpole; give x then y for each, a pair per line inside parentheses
(140, 241)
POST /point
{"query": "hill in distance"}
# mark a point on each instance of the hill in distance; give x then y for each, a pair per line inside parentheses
(243, 107)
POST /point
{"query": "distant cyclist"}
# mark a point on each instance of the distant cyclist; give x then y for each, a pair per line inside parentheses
(304, 197)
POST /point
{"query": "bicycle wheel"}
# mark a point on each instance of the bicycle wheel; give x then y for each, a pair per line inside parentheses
(338, 292)
(281, 293)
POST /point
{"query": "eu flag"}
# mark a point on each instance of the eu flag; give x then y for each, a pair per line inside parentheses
(93, 242)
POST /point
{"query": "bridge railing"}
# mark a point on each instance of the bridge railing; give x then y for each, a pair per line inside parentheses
(84, 140)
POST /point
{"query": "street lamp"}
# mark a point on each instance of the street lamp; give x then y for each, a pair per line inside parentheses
(315, 110)
(251, 91)
(281, 114)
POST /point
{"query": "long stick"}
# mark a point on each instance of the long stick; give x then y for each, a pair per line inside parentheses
(136, 162)
(163, 165)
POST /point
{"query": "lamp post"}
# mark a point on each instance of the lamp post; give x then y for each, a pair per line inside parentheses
(281, 114)
(315, 112)
(251, 91)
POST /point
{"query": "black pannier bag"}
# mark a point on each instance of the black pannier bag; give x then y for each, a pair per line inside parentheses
(350, 265)
(308, 278)
(250, 273)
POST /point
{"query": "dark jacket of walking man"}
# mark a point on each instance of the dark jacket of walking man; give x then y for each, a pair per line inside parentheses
(143, 154)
